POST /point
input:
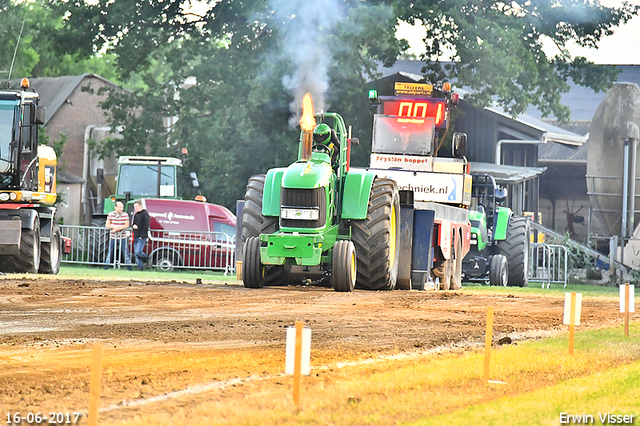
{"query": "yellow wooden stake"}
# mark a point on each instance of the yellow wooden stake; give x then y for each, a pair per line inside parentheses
(626, 309)
(572, 322)
(297, 364)
(487, 343)
(94, 389)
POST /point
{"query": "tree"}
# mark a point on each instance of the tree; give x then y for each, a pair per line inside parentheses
(234, 117)
(498, 47)
(253, 59)
(33, 27)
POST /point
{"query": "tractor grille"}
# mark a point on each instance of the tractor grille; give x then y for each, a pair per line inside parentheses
(304, 198)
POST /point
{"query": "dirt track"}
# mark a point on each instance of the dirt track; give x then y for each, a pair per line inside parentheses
(165, 337)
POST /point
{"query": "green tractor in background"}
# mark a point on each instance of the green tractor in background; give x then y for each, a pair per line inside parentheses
(500, 239)
(317, 218)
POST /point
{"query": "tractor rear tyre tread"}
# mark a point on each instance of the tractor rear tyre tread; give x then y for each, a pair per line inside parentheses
(98, 241)
(254, 224)
(277, 275)
(343, 264)
(516, 249)
(377, 266)
(252, 269)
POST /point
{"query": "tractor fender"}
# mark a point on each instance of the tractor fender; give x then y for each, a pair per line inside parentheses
(503, 215)
(271, 192)
(356, 193)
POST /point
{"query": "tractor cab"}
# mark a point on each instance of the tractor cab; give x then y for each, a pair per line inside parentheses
(403, 138)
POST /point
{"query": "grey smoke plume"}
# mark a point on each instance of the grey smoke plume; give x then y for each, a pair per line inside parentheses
(304, 26)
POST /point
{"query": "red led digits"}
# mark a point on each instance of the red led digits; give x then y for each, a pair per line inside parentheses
(416, 110)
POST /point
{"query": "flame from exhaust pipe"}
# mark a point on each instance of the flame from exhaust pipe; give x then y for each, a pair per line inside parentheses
(307, 121)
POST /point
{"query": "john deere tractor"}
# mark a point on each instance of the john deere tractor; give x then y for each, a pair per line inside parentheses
(500, 239)
(319, 217)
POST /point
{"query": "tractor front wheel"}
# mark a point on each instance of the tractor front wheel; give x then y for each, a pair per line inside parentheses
(252, 268)
(377, 238)
(499, 271)
(254, 224)
(343, 263)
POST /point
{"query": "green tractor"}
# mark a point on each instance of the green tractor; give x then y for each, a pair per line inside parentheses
(320, 218)
(500, 239)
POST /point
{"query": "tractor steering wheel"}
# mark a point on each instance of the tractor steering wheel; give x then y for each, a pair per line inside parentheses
(319, 147)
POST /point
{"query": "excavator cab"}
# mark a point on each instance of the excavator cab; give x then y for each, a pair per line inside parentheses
(20, 116)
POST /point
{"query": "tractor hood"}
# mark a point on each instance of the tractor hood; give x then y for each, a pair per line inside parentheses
(315, 173)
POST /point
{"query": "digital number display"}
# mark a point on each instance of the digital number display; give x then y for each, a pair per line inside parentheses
(415, 110)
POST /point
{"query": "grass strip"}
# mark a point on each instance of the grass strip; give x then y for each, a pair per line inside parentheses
(590, 399)
(540, 381)
(151, 274)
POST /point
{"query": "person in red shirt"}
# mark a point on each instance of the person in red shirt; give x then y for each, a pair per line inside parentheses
(118, 223)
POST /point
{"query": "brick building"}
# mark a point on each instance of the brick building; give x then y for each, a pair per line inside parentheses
(75, 113)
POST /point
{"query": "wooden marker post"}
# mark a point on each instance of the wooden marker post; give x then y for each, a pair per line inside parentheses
(298, 356)
(572, 308)
(487, 343)
(94, 389)
(626, 309)
(626, 304)
(297, 364)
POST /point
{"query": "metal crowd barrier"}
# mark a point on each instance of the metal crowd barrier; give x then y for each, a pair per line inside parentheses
(168, 250)
(548, 264)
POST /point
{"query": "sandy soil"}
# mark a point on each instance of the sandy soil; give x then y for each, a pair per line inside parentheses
(170, 343)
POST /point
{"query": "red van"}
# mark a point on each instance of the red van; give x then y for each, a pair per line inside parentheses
(190, 234)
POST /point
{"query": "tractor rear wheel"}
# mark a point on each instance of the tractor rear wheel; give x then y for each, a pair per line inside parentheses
(51, 252)
(516, 249)
(377, 238)
(252, 268)
(499, 271)
(254, 224)
(343, 264)
(98, 241)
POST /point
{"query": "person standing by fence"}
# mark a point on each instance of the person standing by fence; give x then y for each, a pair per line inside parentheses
(140, 233)
(118, 222)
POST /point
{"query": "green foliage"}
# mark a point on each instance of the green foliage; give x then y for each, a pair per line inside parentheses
(35, 27)
(576, 258)
(233, 117)
(57, 145)
(233, 114)
(497, 47)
